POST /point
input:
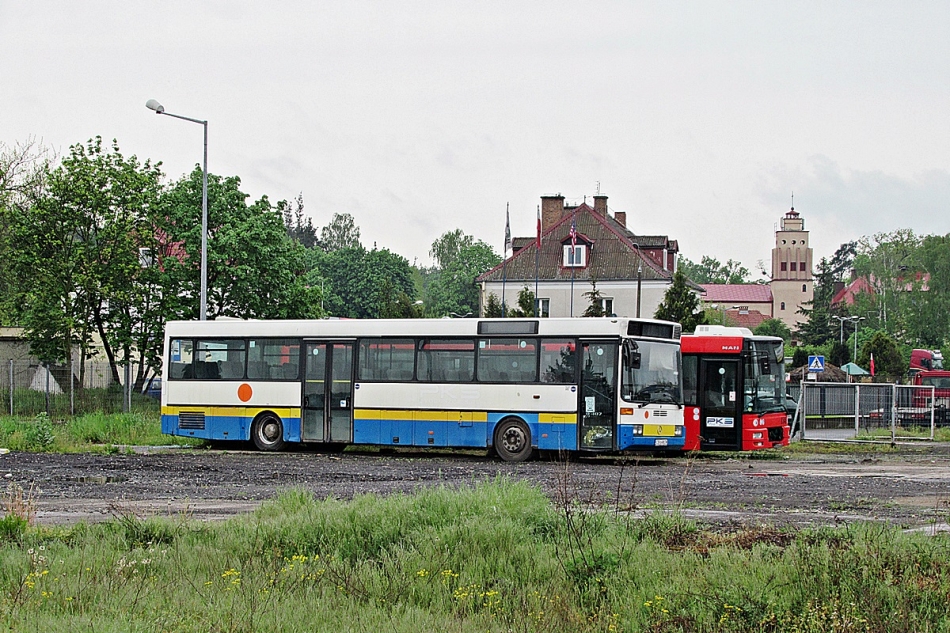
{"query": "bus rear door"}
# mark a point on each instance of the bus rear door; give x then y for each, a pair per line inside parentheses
(720, 404)
(328, 392)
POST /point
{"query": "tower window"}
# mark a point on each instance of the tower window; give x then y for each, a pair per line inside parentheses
(801, 266)
(784, 266)
(804, 288)
(783, 305)
(794, 266)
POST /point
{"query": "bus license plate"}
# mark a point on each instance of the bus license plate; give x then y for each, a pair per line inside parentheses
(661, 442)
(663, 430)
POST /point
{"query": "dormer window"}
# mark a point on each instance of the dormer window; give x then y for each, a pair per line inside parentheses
(575, 256)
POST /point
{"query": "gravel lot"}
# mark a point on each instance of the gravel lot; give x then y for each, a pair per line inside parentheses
(910, 489)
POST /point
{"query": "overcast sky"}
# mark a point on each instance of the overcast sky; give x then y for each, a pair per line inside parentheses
(698, 119)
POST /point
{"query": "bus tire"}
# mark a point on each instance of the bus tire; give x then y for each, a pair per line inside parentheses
(512, 440)
(268, 432)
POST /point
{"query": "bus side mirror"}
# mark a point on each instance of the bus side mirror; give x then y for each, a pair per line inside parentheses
(631, 354)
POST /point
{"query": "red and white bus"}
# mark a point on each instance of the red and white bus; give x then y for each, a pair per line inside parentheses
(733, 390)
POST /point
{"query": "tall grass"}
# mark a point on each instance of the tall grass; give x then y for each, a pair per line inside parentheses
(498, 556)
(84, 433)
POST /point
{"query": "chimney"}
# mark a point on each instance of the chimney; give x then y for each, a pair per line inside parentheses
(600, 205)
(552, 208)
(621, 218)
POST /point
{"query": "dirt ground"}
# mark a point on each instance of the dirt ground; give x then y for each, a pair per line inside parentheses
(910, 489)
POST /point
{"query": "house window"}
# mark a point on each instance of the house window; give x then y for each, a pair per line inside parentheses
(794, 267)
(783, 305)
(575, 256)
(544, 308)
(607, 304)
(146, 258)
(784, 266)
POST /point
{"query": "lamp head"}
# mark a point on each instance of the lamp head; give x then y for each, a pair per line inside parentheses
(152, 104)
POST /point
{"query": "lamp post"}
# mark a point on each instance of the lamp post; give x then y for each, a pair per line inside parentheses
(856, 320)
(152, 104)
(841, 321)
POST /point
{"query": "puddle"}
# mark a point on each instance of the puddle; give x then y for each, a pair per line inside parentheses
(98, 479)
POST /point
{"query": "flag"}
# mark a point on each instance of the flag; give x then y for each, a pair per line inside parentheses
(573, 233)
(872, 363)
(539, 226)
(507, 234)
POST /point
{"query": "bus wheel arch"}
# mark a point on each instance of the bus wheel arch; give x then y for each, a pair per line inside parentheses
(267, 432)
(512, 440)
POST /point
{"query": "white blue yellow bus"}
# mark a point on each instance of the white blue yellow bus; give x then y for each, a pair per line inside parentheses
(512, 385)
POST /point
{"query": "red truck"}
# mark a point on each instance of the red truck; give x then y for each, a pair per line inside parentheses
(940, 380)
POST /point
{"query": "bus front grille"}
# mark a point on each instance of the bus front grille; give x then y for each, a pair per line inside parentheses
(191, 420)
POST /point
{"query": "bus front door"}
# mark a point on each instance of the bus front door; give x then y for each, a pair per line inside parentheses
(598, 395)
(328, 392)
(720, 424)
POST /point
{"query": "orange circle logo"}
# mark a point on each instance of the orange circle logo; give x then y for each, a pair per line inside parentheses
(245, 392)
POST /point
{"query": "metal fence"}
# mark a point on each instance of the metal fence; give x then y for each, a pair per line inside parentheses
(29, 388)
(872, 411)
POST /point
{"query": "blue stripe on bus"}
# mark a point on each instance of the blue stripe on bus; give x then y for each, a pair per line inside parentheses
(227, 427)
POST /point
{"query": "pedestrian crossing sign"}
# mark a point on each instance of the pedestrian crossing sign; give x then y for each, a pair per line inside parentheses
(816, 363)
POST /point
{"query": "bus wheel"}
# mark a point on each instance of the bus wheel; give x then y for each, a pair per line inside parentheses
(513, 440)
(268, 432)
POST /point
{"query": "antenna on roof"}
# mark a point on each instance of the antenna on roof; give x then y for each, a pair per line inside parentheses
(598, 187)
(793, 201)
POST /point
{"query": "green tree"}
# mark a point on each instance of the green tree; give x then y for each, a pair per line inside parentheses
(525, 304)
(449, 246)
(773, 327)
(888, 361)
(362, 284)
(79, 260)
(595, 300)
(493, 307)
(24, 168)
(839, 354)
(301, 231)
(453, 288)
(680, 304)
(711, 271)
(340, 233)
(254, 269)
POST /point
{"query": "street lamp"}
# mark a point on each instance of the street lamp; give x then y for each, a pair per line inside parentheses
(841, 321)
(152, 104)
(855, 320)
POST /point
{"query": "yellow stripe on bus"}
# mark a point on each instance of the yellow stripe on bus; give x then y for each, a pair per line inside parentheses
(557, 418)
(232, 411)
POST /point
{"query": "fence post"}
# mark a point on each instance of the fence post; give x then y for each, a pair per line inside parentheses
(857, 409)
(127, 394)
(894, 413)
(72, 395)
(11, 387)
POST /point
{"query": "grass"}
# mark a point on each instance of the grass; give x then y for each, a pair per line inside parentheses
(91, 432)
(499, 556)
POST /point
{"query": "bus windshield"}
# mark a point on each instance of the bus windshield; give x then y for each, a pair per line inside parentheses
(651, 373)
(764, 388)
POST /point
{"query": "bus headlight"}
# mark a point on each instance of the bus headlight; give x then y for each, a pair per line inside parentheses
(679, 431)
(757, 436)
(638, 429)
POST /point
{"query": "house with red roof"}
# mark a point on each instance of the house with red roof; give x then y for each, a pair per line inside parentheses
(582, 245)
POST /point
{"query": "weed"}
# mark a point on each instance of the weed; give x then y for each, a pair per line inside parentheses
(19, 503)
(39, 436)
